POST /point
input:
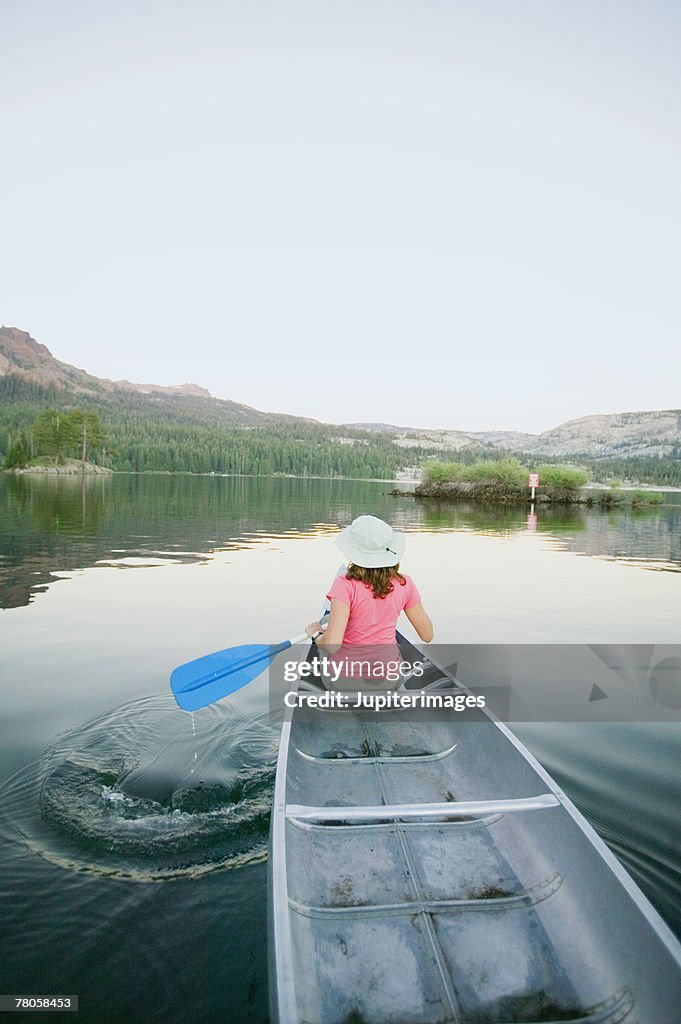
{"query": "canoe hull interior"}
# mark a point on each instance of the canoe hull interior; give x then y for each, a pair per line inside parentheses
(430, 871)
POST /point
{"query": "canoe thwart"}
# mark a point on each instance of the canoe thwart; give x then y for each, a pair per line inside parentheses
(383, 812)
(356, 828)
(522, 898)
(336, 758)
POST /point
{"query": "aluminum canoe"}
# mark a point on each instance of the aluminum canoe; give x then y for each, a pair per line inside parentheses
(432, 872)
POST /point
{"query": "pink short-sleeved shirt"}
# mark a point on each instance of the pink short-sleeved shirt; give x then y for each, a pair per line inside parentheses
(373, 619)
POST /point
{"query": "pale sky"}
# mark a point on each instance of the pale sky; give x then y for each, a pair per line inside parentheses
(453, 213)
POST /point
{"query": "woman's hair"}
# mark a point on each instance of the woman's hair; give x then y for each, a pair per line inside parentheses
(380, 580)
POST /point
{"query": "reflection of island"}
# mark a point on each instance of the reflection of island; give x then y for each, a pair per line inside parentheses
(38, 524)
(649, 535)
(499, 520)
(72, 505)
(56, 524)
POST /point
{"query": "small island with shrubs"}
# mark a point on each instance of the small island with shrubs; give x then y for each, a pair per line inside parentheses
(506, 481)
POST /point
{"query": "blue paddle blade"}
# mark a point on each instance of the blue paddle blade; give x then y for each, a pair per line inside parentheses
(201, 682)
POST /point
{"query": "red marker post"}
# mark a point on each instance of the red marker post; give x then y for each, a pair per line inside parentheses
(533, 483)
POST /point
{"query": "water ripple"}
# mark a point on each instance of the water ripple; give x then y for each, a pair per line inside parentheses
(136, 794)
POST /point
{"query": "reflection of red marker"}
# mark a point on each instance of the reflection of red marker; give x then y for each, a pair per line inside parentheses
(532, 521)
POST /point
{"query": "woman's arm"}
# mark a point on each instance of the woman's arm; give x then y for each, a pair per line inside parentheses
(335, 630)
(420, 620)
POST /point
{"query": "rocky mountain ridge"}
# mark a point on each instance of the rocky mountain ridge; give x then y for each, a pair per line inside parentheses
(608, 435)
(22, 356)
(194, 390)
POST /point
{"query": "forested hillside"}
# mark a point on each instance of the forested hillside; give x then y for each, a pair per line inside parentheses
(147, 428)
(183, 433)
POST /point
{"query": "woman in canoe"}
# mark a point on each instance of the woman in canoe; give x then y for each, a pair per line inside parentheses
(366, 602)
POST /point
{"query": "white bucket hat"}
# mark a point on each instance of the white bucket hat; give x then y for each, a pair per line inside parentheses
(371, 543)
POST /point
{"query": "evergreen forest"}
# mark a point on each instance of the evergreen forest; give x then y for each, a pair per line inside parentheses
(133, 432)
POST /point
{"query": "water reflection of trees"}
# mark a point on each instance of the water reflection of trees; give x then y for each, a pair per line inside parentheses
(40, 521)
(649, 536)
(56, 524)
(499, 519)
(69, 504)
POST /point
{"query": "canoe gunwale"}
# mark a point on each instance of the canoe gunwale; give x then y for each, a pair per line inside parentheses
(284, 1005)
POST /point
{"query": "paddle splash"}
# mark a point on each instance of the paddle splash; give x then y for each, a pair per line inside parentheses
(135, 794)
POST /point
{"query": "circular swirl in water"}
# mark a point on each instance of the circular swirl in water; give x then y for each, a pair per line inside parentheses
(140, 794)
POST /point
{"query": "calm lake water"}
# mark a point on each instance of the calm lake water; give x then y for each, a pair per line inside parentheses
(133, 840)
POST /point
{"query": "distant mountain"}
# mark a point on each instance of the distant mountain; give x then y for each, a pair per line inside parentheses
(447, 440)
(23, 357)
(614, 436)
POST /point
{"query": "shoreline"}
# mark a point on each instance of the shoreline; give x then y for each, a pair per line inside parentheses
(72, 467)
(589, 495)
(400, 486)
